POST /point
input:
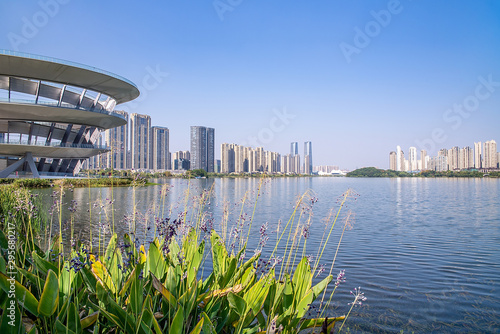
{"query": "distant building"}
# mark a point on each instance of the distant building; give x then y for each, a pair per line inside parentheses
(399, 159)
(438, 164)
(202, 148)
(308, 163)
(160, 157)
(490, 154)
(466, 158)
(294, 149)
(423, 160)
(117, 139)
(181, 160)
(478, 156)
(393, 160)
(140, 130)
(412, 159)
(217, 166)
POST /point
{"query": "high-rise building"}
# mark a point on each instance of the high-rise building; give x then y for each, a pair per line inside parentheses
(466, 158)
(453, 155)
(160, 156)
(308, 164)
(423, 160)
(294, 149)
(393, 164)
(478, 156)
(399, 159)
(490, 154)
(117, 140)
(202, 148)
(412, 159)
(140, 132)
(180, 160)
(227, 158)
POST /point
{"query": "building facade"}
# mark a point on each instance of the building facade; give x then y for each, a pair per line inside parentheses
(160, 153)
(202, 148)
(308, 158)
(140, 137)
(117, 140)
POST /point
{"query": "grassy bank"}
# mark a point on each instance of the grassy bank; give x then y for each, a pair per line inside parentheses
(74, 182)
(375, 172)
(128, 286)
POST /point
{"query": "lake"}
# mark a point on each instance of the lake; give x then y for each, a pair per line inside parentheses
(426, 252)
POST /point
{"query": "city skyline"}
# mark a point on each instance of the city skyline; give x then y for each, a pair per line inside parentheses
(426, 74)
(482, 156)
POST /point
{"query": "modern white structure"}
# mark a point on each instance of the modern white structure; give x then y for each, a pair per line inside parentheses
(52, 113)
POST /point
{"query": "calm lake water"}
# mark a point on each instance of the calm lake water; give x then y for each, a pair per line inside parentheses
(426, 252)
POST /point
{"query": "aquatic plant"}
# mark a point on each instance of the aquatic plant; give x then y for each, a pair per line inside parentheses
(158, 287)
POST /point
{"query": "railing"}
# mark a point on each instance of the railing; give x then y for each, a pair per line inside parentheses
(65, 145)
(65, 62)
(62, 105)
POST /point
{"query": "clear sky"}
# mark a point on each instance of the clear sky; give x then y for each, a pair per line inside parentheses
(354, 77)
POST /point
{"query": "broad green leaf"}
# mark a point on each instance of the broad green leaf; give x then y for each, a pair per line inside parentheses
(66, 278)
(73, 322)
(242, 269)
(155, 262)
(110, 250)
(142, 255)
(303, 305)
(136, 296)
(237, 303)
(219, 255)
(198, 327)
(59, 328)
(11, 318)
(174, 250)
(89, 320)
(164, 292)
(228, 275)
(318, 288)
(194, 262)
(178, 322)
(43, 265)
(318, 322)
(103, 276)
(50, 295)
(208, 327)
(257, 294)
(23, 296)
(302, 280)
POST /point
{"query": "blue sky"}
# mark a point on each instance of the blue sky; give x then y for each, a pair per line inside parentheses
(356, 78)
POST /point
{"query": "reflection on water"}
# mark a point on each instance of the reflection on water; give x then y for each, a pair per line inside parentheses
(425, 251)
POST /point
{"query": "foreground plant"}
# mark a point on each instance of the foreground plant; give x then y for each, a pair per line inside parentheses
(161, 287)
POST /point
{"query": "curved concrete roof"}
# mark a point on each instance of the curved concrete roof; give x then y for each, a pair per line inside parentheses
(54, 152)
(38, 112)
(56, 70)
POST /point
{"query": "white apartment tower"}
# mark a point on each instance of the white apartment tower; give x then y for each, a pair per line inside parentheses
(160, 155)
(140, 132)
(490, 154)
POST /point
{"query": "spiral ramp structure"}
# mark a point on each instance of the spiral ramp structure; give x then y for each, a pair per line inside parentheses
(52, 113)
